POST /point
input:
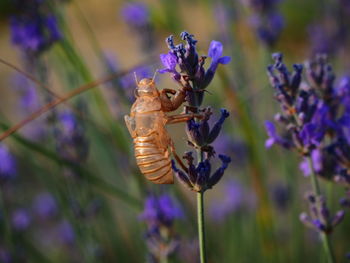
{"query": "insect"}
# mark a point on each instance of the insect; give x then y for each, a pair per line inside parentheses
(146, 125)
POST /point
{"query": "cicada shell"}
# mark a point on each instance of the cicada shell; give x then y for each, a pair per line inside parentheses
(146, 124)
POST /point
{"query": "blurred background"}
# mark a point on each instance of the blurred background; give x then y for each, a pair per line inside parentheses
(70, 187)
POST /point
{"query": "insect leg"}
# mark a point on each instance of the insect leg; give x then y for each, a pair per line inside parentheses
(171, 91)
(173, 103)
(177, 158)
(183, 117)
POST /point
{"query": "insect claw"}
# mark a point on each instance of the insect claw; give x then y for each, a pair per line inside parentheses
(135, 75)
(154, 75)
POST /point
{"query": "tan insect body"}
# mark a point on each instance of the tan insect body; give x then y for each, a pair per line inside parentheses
(146, 125)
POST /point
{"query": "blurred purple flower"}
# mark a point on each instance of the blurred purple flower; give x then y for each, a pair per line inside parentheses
(261, 5)
(321, 40)
(268, 28)
(7, 163)
(20, 219)
(159, 213)
(135, 13)
(281, 195)
(29, 101)
(232, 200)
(232, 147)
(65, 232)
(5, 256)
(34, 30)
(161, 210)
(71, 142)
(137, 16)
(45, 205)
(265, 20)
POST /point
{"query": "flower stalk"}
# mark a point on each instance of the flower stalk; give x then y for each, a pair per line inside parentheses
(197, 177)
(325, 238)
(201, 227)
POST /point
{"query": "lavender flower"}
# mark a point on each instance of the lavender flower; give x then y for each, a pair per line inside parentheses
(65, 232)
(310, 115)
(274, 138)
(7, 164)
(137, 16)
(159, 213)
(281, 195)
(200, 134)
(185, 57)
(34, 28)
(71, 144)
(320, 218)
(199, 178)
(303, 111)
(187, 69)
(265, 20)
(5, 256)
(20, 219)
(45, 205)
(232, 200)
(161, 210)
(29, 101)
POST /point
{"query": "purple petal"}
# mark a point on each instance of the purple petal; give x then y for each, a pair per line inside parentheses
(215, 50)
(224, 60)
(269, 142)
(169, 60)
(305, 167)
(316, 157)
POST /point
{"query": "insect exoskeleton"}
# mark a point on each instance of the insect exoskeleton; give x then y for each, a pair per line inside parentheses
(146, 125)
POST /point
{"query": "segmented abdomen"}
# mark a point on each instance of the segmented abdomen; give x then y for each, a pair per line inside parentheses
(154, 162)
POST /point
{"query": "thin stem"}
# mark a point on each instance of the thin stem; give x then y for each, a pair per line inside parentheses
(317, 191)
(201, 227)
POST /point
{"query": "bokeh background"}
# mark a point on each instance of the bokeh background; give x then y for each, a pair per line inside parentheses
(70, 187)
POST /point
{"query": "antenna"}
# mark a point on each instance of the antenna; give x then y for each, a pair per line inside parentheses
(137, 82)
(154, 76)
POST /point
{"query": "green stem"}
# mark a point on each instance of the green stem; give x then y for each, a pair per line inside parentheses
(325, 237)
(201, 227)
